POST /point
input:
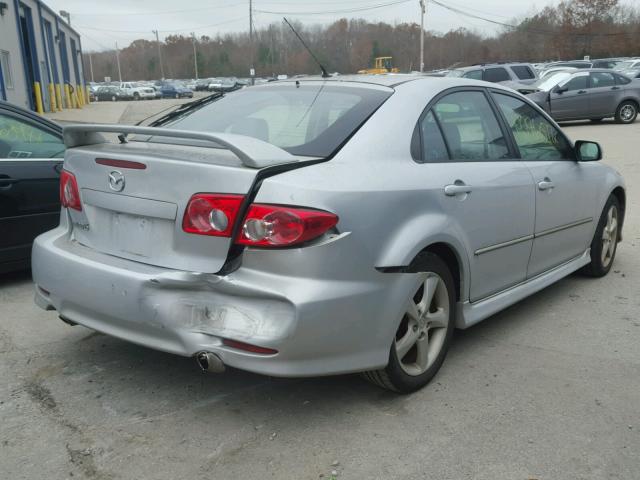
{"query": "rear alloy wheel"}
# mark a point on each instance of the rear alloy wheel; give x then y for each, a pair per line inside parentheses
(425, 332)
(114, 98)
(605, 240)
(136, 96)
(177, 96)
(627, 112)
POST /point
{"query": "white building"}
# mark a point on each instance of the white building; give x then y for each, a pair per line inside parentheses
(37, 46)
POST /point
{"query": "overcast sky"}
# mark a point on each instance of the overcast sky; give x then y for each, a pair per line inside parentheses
(102, 24)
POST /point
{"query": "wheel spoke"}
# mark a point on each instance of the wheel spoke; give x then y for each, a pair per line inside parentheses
(409, 340)
(438, 319)
(430, 286)
(422, 354)
(413, 312)
(613, 226)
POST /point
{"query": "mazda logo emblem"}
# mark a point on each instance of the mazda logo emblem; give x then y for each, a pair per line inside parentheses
(116, 181)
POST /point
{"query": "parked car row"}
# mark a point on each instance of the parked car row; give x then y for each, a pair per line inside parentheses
(115, 92)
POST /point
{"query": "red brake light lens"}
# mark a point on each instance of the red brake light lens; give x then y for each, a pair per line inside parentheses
(277, 226)
(211, 214)
(69, 193)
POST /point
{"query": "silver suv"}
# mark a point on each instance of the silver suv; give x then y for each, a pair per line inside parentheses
(324, 226)
(498, 72)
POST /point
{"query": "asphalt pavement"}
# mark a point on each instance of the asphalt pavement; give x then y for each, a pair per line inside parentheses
(548, 390)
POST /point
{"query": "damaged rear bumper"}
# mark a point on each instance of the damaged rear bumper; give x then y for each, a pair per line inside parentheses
(317, 326)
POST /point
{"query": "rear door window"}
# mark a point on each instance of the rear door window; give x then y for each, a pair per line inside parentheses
(620, 80)
(498, 74)
(602, 79)
(433, 147)
(470, 128)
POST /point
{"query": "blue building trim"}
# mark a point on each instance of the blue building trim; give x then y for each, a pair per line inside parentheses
(3, 92)
(62, 45)
(74, 57)
(16, 6)
(44, 42)
(51, 46)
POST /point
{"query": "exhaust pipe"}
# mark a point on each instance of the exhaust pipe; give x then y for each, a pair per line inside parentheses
(210, 362)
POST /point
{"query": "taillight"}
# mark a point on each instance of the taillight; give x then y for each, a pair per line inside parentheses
(211, 214)
(278, 226)
(69, 193)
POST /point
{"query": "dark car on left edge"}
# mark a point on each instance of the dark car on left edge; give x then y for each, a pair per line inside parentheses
(31, 156)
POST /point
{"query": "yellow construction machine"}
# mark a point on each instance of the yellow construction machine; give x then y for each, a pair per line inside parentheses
(381, 65)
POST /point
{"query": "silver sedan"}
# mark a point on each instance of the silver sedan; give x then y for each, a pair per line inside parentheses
(324, 226)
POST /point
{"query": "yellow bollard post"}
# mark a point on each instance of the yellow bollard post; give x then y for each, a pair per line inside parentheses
(67, 96)
(52, 98)
(58, 98)
(80, 91)
(88, 95)
(38, 92)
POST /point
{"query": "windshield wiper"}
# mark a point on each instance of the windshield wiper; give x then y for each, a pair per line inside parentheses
(183, 109)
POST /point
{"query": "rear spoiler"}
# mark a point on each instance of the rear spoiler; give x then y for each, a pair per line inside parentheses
(253, 153)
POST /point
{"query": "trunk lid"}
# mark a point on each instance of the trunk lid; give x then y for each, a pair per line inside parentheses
(143, 220)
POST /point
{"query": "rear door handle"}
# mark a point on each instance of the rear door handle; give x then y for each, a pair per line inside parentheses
(615, 88)
(6, 181)
(582, 91)
(545, 184)
(457, 189)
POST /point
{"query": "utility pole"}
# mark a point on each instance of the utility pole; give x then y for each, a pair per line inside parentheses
(118, 61)
(159, 53)
(423, 9)
(252, 71)
(91, 66)
(195, 55)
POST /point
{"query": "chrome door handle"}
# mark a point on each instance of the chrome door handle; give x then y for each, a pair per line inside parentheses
(582, 91)
(457, 189)
(545, 184)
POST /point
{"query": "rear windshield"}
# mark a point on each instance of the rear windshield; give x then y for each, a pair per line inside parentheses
(308, 120)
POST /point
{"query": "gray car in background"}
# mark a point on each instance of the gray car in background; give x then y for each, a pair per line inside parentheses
(592, 94)
(324, 226)
(497, 72)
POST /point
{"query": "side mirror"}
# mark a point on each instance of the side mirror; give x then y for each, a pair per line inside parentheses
(588, 151)
(561, 89)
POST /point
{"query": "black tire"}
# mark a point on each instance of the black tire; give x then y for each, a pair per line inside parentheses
(114, 98)
(627, 112)
(136, 96)
(177, 96)
(393, 377)
(596, 120)
(599, 267)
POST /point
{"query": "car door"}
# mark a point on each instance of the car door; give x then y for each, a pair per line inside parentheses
(486, 192)
(570, 99)
(30, 161)
(564, 203)
(604, 94)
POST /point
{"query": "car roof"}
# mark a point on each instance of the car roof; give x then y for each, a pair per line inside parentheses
(394, 81)
(382, 79)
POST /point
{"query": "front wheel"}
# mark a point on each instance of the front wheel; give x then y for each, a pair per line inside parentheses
(425, 331)
(177, 96)
(114, 98)
(605, 240)
(627, 112)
